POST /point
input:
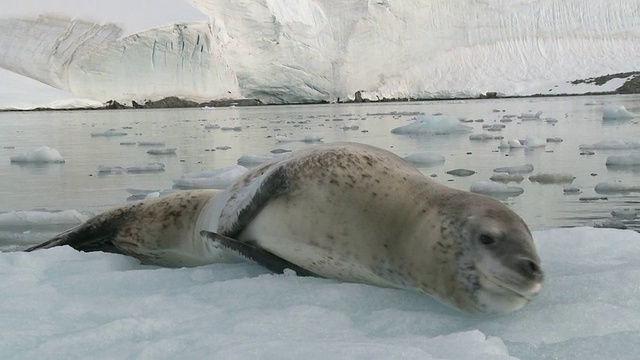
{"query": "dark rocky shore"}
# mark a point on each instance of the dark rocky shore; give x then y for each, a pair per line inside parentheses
(631, 86)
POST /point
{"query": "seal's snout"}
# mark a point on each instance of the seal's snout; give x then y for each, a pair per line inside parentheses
(529, 269)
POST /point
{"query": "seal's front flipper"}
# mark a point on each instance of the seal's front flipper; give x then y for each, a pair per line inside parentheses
(256, 254)
(250, 194)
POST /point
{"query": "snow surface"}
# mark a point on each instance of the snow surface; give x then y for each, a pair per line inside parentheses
(281, 51)
(63, 304)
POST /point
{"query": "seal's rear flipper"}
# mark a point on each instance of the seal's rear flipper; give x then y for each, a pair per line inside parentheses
(96, 234)
(255, 254)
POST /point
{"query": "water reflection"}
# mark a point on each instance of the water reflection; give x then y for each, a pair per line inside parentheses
(202, 145)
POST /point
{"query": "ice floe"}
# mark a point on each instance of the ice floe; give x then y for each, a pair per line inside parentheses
(43, 154)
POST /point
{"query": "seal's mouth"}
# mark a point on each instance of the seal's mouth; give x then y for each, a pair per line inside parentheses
(507, 286)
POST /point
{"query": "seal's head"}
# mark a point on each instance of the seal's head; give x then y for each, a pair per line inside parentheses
(498, 267)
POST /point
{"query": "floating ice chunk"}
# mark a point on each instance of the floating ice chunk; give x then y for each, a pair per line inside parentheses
(151, 143)
(630, 160)
(615, 188)
(250, 160)
(352, 127)
(506, 178)
(493, 127)
(510, 144)
(167, 151)
(140, 194)
(493, 188)
(554, 140)
(41, 218)
(483, 137)
(461, 172)
(43, 154)
(609, 224)
(616, 112)
(280, 151)
(149, 168)
(433, 125)
(425, 158)
(518, 169)
(531, 115)
(548, 178)
(612, 145)
(104, 170)
(215, 179)
(109, 133)
(532, 142)
(627, 214)
(152, 195)
(231, 128)
(307, 139)
(571, 189)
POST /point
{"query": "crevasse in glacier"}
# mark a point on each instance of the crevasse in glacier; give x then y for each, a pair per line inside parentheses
(281, 51)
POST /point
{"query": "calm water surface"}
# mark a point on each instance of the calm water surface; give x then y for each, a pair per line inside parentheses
(77, 184)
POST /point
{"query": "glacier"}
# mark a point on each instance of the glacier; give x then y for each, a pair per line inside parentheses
(279, 51)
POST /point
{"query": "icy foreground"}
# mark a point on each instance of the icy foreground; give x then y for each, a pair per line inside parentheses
(281, 51)
(60, 303)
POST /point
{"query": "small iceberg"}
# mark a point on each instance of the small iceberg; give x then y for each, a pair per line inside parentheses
(493, 127)
(506, 178)
(617, 112)
(571, 189)
(433, 125)
(620, 161)
(626, 214)
(548, 178)
(518, 169)
(510, 144)
(531, 116)
(40, 155)
(306, 139)
(251, 160)
(151, 143)
(149, 168)
(424, 159)
(532, 142)
(214, 179)
(461, 172)
(108, 133)
(612, 145)
(41, 218)
(491, 188)
(611, 188)
(167, 151)
(231, 128)
(484, 137)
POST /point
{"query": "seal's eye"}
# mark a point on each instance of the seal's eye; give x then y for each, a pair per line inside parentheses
(487, 239)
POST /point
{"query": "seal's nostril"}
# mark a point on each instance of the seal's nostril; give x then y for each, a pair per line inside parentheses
(529, 268)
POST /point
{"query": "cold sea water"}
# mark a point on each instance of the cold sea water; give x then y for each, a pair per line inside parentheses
(208, 139)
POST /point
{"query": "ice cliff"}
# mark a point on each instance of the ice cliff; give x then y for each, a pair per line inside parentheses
(282, 51)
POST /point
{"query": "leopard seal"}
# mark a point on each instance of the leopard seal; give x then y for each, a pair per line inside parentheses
(344, 211)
